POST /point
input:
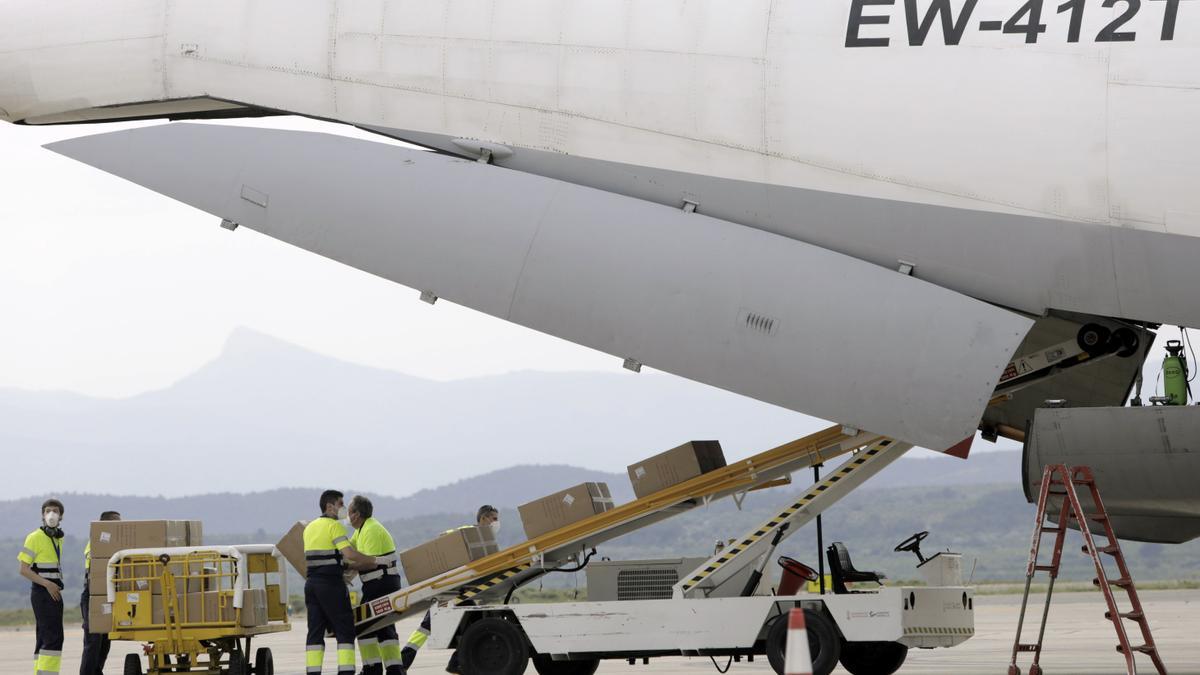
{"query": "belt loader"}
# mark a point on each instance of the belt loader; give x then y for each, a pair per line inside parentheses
(719, 609)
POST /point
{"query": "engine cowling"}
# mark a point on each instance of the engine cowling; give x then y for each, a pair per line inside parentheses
(1146, 461)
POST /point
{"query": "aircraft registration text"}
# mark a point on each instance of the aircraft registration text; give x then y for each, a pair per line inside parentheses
(1123, 21)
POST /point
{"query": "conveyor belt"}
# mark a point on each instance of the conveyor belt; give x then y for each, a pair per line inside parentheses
(512, 566)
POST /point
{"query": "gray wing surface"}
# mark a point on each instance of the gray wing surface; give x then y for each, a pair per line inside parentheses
(752, 312)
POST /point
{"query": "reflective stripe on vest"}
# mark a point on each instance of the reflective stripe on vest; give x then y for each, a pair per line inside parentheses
(388, 565)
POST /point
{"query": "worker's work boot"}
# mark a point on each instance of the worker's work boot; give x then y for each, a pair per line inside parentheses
(395, 670)
(372, 669)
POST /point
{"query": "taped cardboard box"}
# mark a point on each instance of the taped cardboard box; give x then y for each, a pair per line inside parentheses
(100, 618)
(563, 508)
(254, 607)
(675, 466)
(291, 546)
(210, 607)
(148, 579)
(110, 536)
(453, 549)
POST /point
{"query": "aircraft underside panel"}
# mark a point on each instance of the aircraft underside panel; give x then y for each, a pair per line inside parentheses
(766, 316)
(1025, 262)
(1145, 460)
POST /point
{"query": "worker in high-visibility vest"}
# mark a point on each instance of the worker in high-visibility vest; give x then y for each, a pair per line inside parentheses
(95, 645)
(487, 518)
(41, 564)
(326, 596)
(380, 650)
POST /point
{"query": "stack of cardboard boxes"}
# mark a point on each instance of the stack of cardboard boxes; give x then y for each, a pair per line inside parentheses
(202, 592)
(108, 537)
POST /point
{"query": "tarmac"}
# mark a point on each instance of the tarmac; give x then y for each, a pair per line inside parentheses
(1078, 641)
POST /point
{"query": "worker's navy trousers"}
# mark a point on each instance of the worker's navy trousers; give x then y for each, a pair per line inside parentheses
(48, 613)
(328, 605)
(386, 638)
(95, 645)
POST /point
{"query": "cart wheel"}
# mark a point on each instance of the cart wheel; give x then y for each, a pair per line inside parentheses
(237, 663)
(545, 665)
(824, 643)
(873, 658)
(493, 647)
(133, 664)
(264, 664)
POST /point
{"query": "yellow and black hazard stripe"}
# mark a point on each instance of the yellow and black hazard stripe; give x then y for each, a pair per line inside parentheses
(938, 630)
(784, 515)
(489, 583)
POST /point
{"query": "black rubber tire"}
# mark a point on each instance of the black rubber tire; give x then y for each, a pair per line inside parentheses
(1125, 342)
(824, 643)
(493, 646)
(873, 658)
(264, 663)
(238, 664)
(1094, 339)
(133, 665)
(545, 665)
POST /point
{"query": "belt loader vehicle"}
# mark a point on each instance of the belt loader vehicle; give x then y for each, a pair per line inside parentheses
(718, 608)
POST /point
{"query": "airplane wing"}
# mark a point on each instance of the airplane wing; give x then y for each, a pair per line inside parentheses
(770, 317)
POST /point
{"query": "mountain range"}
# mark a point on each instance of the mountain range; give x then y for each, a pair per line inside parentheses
(266, 414)
(274, 511)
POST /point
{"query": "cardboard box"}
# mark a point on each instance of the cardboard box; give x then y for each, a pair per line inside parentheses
(453, 549)
(563, 508)
(100, 618)
(292, 548)
(147, 578)
(97, 581)
(209, 607)
(675, 466)
(254, 607)
(110, 536)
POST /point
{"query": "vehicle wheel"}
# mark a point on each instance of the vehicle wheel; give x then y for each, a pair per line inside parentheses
(1125, 342)
(545, 665)
(493, 647)
(873, 658)
(133, 664)
(824, 643)
(238, 664)
(1093, 339)
(264, 663)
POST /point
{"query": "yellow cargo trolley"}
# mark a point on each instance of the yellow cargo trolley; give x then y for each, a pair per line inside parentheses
(197, 608)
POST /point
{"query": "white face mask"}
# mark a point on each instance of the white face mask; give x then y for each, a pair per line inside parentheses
(343, 515)
(51, 518)
(495, 527)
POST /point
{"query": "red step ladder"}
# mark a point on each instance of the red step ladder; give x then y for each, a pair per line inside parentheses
(1060, 481)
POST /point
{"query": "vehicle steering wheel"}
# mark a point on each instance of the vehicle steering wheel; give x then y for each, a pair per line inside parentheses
(798, 568)
(913, 543)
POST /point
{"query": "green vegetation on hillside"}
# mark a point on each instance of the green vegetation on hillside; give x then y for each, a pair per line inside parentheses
(989, 525)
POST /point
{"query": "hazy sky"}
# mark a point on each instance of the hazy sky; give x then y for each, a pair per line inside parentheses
(109, 289)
